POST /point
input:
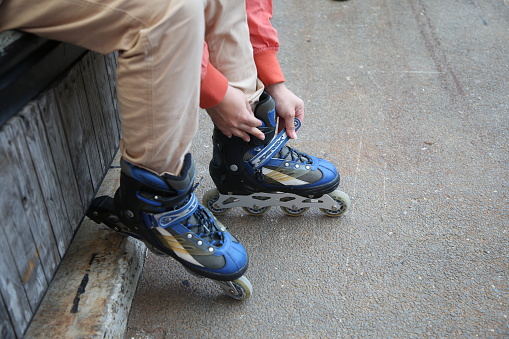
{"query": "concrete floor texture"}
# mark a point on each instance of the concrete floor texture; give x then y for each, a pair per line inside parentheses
(410, 100)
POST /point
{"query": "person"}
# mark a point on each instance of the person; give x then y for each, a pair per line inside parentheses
(257, 59)
(174, 56)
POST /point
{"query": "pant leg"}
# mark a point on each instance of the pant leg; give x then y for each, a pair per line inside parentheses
(158, 77)
(227, 36)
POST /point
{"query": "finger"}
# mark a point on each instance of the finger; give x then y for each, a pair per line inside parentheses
(241, 134)
(256, 132)
(300, 114)
(253, 131)
(227, 133)
(252, 121)
(290, 128)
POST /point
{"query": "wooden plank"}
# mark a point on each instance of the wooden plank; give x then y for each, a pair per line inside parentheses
(17, 198)
(70, 113)
(106, 84)
(29, 164)
(6, 329)
(52, 163)
(89, 148)
(98, 117)
(62, 159)
(11, 288)
(97, 87)
(47, 175)
(41, 248)
(111, 67)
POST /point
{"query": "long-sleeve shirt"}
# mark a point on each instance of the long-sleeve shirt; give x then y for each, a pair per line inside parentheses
(264, 40)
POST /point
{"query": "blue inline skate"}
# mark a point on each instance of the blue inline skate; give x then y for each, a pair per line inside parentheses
(258, 174)
(164, 213)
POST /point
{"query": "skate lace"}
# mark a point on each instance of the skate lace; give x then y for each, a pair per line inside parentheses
(291, 154)
(204, 225)
(206, 228)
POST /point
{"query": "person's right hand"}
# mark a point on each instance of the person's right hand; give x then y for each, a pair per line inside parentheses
(233, 116)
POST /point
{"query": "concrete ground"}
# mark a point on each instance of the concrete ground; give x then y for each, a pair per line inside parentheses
(410, 100)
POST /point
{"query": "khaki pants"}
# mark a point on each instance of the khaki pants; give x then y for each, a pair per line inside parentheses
(160, 44)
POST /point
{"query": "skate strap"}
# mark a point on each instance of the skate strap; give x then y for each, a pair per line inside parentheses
(171, 217)
(269, 151)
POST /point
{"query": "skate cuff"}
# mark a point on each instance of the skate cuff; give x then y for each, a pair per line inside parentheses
(273, 147)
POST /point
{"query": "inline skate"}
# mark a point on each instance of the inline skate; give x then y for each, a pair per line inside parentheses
(258, 174)
(164, 213)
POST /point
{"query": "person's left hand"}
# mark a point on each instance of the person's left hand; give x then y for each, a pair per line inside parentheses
(288, 107)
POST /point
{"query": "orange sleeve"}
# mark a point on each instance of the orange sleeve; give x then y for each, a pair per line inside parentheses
(213, 84)
(265, 42)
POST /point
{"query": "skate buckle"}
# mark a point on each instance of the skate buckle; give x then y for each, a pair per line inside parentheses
(168, 218)
(273, 147)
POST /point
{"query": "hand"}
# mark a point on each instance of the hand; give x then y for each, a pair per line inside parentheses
(288, 107)
(233, 116)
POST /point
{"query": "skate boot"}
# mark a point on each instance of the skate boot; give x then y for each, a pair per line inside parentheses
(258, 174)
(164, 213)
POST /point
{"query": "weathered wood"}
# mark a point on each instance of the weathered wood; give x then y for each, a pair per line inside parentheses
(88, 148)
(42, 256)
(54, 154)
(67, 100)
(6, 330)
(62, 159)
(108, 103)
(16, 226)
(11, 288)
(29, 161)
(98, 120)
(47, 176)
(98, 94)
(111, 66)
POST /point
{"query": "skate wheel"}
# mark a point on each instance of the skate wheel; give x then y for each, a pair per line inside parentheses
(343, 204)
(256, 211)
(209, 200)
(239, 289)
(294, 212)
